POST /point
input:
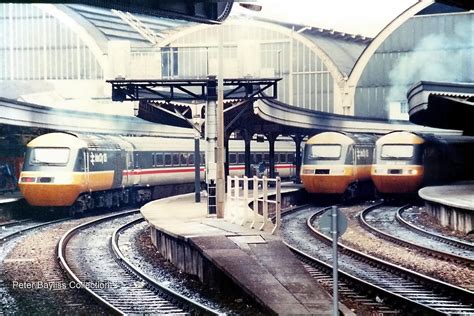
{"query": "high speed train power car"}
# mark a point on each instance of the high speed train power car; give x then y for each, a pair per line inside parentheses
(406, 161)
(84, 171)
(337, 163)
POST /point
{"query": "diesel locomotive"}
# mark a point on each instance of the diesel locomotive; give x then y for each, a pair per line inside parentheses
(338, 163)
(406, 161)
(85, 171)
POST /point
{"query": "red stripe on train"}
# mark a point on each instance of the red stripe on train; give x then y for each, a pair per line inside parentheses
(182, 170)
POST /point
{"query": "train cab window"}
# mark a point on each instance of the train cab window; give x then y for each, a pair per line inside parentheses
(232, 158)
(191, 159)
(291, 158)
(325, 151)
(158, 159)
(49, 156)
(167, 159)
(397, 151)
(183, 159)
(241, 158)
(175, 159)
(282, 158)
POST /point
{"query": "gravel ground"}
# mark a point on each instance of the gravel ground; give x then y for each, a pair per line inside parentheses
(145, 256)
(35, 280)
(420, 217)
(358, 238)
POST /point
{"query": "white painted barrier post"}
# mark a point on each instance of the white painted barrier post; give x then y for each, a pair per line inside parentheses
(277, 205)
(255, 202)
(245, 200)
(236, 197)
(265, 202)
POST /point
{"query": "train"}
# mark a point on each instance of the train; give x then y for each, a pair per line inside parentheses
(80, 171)
(338, 163)
(406, 161)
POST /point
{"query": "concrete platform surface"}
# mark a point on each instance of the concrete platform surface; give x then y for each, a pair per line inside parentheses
(10, 197)
(456, 195)
(257, 261)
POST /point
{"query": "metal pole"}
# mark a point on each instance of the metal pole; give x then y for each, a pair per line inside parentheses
(220, 181)
(197, 169)
(335, 311)
(211, 135)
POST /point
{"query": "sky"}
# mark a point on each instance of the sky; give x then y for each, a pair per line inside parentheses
(365, 17)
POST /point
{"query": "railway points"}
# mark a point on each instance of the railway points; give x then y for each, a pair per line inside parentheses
(255, 260)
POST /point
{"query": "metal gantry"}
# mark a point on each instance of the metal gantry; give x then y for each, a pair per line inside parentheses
(189, 91)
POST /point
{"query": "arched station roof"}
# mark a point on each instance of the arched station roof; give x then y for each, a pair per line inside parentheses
(342, 48)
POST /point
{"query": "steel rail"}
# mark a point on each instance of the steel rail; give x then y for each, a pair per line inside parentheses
(423, 280)
(61, 254)
(180, 300)
(450, 241)
(29, 228)
(429, 251)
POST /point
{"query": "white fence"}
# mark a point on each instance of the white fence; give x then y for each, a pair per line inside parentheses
(238, 200)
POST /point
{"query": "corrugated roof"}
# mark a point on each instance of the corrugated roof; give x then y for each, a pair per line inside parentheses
(343, 48)
(115, 28)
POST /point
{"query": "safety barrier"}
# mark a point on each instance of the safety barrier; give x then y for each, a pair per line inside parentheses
(237, 206)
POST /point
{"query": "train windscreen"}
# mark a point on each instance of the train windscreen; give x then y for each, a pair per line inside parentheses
(49, 156)
(397, 151)
(325, 151)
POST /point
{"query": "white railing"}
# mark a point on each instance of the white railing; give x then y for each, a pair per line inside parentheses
(238, 200)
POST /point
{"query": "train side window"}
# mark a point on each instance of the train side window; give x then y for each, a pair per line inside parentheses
(282, 158)
(266, 157)
(158, 159)
(175, 159)
(191, 159)
(183, 159)
(258, 157)
(167, 159)
(137, 158)
(232, 158)
(203, 159)
(241, 158)
(153, 159)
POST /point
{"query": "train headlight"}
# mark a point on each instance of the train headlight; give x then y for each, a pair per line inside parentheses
(338, 171)
(412, 171)
(308, 171)
(62, 178)
(379, 171)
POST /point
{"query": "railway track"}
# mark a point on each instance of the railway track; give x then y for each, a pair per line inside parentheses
(387, 222)
(91, 256)
(412, 292)
(9, 232)
(353, 291)
(17, 228)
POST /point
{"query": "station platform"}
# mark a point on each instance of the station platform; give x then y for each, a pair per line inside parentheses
(215, 249)
(10, 197)
(452, 205)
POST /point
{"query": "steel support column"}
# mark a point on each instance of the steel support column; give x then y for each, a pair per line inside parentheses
(271, 137)
(298, 139)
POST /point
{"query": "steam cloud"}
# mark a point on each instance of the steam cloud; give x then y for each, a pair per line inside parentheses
(437, 57)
